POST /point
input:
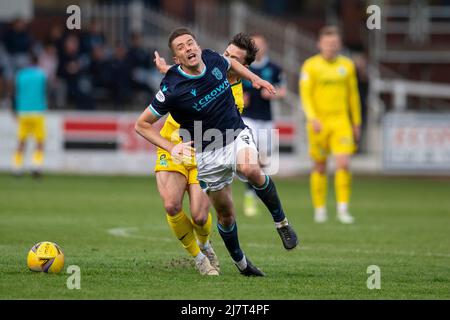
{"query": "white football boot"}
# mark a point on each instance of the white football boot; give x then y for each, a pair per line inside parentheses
(320, 215)
(204, 266)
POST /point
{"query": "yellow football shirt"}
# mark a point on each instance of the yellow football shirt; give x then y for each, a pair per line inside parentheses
(329, 90)
(238, 94)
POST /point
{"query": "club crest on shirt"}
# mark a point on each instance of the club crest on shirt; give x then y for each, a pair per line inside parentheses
(216, 73)
(163, 160)
(266, 74)
(304, 76)
(342, 71)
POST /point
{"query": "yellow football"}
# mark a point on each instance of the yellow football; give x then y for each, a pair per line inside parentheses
(45, 257)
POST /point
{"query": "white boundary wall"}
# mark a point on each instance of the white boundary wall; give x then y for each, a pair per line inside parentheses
(71, 137)
(410, 143)
(133, 154)
(416, 143)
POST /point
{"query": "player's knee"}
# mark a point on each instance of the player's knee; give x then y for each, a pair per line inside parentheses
(250, 171)
(200, 214)
(343, 166)
(172, 207)
(223, 210)
(226, 221)
(320, 167)
(343, 163)
(200, 220)
(225, 213)
(21, 146)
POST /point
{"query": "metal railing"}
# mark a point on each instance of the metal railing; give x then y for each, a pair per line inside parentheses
(402, 89)
(289, 46)
(424, 32)
(114, 20)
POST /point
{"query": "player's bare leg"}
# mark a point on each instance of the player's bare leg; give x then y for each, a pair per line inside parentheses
(227, 226)
(248, 166)
(202, 222)
(171, 187)
(318, 182)
(342, 181)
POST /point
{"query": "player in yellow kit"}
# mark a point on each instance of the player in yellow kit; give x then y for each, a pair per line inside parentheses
(174, 177)
(330, 100)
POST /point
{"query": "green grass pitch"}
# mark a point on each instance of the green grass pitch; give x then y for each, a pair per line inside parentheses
(115, 230)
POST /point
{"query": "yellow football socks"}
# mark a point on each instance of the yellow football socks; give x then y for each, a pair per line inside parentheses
(342, 181)
(318, 183)
(203, 231)
(38, 158)
(184, 231)
(18, 160)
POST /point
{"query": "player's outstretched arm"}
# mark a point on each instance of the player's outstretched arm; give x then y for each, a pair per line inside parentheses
(182, 152)
(161, 63)
(256, 81)
(144, 127)
(281, 93)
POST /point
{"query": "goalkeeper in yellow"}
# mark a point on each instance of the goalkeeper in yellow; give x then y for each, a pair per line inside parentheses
(174, 176)
(330, 100)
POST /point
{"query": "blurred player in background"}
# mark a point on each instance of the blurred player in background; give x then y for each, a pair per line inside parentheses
(30, 106)
(173, 179)
(257, 113)
(331, 103)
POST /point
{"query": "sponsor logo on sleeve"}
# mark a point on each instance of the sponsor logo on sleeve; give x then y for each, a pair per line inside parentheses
(160, 96)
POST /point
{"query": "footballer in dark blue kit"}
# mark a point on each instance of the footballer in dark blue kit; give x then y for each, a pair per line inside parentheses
(196, 92)
(259, 107)
(205, 99)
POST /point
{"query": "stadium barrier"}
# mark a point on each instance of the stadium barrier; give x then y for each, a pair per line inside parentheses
(416, 143)
(106, 143)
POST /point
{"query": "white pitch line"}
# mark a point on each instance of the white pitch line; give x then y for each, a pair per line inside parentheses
(129, 232)
(399, 253)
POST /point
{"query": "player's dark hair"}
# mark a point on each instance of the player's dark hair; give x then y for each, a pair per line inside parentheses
(329, 31)
(245, 42)
(179, 32)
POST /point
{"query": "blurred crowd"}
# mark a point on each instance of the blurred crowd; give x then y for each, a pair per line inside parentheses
(84, 71)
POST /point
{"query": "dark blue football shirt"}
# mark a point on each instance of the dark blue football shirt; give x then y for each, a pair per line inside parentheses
(206, 97)
(258, 107)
